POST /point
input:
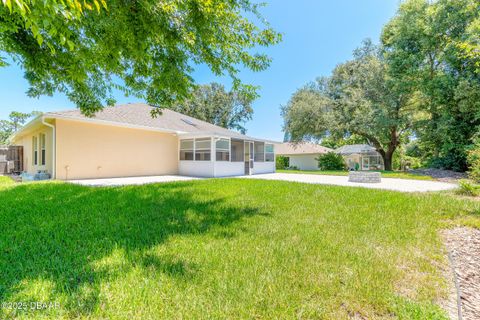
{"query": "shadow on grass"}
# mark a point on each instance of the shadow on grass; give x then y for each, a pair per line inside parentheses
(66, 235)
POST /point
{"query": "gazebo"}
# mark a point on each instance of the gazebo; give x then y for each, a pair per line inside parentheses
(361, 157)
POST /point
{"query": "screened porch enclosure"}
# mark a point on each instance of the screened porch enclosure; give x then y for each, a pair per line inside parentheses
(364, 162)
(223, 156)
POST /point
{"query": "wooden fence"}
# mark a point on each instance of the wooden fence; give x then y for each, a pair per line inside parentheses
(14, 154)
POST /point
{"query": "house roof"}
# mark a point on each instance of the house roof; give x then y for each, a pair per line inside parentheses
(290, 148)
(138, 115)
(355, 148)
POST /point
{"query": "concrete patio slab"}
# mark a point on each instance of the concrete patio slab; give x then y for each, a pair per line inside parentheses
(130, 180)
(404, 185)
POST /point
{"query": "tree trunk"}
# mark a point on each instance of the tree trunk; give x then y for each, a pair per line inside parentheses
(387, 161)
(387, 155)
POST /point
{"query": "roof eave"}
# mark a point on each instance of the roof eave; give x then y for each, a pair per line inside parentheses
(113, 123)
(26, 127)
(224, 135)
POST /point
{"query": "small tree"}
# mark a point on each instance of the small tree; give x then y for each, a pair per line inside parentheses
(15, 121)
(473, 160)
(331, 161)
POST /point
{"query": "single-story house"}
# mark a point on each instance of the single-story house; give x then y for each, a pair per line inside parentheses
(361, 157)
(126, 140)
(302, 155)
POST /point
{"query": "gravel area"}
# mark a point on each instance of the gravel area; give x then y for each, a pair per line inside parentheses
(441, 175)
(464, 247)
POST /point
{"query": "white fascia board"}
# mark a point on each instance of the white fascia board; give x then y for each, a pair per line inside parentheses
(35, 121)
(220, 135)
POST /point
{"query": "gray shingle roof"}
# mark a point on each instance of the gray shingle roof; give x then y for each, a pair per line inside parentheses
(355, 148)
(139, 114)
(300, 148)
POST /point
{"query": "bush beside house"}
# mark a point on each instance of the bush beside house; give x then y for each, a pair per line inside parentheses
(282, 162)
(331, 161)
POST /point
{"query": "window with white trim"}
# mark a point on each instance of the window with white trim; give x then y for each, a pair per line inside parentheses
(43, 159)
(186, 149)
(203, 148)
(34, 150)
(269, 153)
(222, 148)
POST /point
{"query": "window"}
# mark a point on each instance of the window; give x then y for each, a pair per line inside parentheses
(269, 153)
(35, 150)
(43, 159)
(222, 147)
(259, 151)
(202, 149)
(186, 149)
(236, 147)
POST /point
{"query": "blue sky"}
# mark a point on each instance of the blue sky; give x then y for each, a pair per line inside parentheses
(317, 35)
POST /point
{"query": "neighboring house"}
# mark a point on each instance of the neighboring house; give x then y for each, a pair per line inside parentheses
(302, 155)
(127, 141)
(361, 157)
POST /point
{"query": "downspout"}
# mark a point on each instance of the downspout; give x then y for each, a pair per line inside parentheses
(54, 142)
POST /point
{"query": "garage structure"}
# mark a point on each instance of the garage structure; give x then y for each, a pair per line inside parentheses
(302, 155)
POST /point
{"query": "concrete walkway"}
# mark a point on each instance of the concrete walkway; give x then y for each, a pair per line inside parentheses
(130, 180)
(386, 184)
(403, 185)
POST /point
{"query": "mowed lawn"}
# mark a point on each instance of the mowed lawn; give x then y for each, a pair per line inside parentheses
(224, 248)
(385, 174)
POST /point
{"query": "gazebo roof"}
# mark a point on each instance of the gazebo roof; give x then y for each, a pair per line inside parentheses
(356, 149)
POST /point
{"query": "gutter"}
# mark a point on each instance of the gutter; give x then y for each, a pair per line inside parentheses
(54, 142)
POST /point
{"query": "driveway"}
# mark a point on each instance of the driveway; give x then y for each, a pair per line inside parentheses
(386, 184)
(403, 185)
(130, 180)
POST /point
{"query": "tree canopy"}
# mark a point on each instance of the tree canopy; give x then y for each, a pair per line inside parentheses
(433, 50)
(359, 98)
(212, 103)
(422, 83)
(146, 48)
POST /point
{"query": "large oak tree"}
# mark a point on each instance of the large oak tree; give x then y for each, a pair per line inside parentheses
(358, 98)
(146, 48)
(432, 49)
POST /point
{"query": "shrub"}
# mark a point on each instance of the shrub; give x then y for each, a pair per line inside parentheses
(473, 160)
(282, 163)
(467, 188)
(331, 161)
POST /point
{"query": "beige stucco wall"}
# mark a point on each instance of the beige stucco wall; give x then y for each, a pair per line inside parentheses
(27, 143)
(87, 150)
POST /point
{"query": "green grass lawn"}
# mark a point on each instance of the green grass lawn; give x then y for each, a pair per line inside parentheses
(224, 248)
(5, 181)
(385, 174)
